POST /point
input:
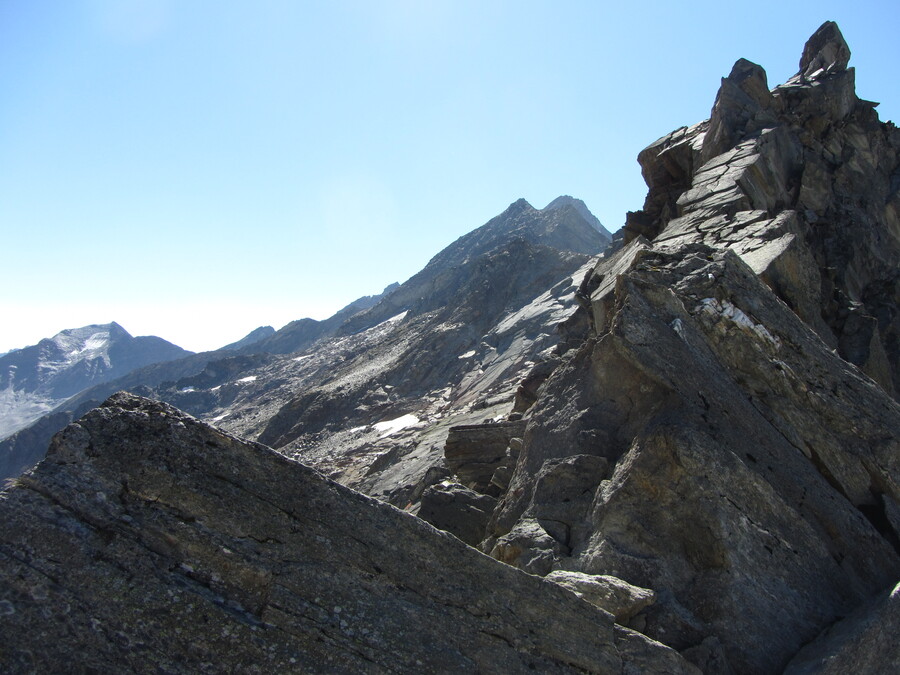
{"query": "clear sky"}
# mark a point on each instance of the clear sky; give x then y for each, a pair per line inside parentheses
(196, 168)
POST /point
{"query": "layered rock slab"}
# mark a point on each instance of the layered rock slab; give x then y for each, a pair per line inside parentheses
(147, 541)
(747, 463)
(736, 392)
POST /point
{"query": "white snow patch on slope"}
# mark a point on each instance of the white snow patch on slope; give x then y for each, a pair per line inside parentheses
(468, 355)
(249, 378)
(302, 358)
(393, 426)
(394, 319)
(18, 409)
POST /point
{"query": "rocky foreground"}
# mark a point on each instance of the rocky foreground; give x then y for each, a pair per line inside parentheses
(147, 541)
(706, 473)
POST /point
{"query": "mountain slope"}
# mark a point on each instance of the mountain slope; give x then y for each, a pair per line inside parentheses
(581, 207)
(251, 338)
(451, 308)
(35, 379)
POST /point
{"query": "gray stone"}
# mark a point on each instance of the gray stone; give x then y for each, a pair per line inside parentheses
(825, 51)
(148, 542)
(474, 452)
(616, 596)
(458, 510)
(864, 642)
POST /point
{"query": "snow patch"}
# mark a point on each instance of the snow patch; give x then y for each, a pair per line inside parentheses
(249, 378)
(187, 390)
(220, 417)
(393, 426)
(302, 358)
(394, 319)
(468, 355)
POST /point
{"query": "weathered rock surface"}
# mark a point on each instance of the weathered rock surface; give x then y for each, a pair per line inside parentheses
(475, 452)
(732, 407)
(147, 541)
(457, 509)
(617, 597)
(864, 642)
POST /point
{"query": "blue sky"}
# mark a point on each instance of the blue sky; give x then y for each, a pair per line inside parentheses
(194, 169)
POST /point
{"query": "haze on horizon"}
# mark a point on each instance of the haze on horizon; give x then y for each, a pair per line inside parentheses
(195, 170)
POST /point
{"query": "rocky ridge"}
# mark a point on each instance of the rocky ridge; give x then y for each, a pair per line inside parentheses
(149, 542)
(707, 449)
(728, 436)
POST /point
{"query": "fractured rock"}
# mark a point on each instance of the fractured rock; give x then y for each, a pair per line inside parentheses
(616, 596)
(739, 380)
(458, 510)
(147, 541)
(475, 451)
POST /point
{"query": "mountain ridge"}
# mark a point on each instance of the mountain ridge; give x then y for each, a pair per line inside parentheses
(695, 431)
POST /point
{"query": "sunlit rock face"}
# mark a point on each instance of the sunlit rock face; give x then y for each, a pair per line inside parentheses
(737, 391)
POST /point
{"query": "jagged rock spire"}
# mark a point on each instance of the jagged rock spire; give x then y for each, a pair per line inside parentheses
(743, 97)
(825, 50)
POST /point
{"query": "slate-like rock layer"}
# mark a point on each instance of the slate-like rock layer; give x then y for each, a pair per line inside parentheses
(736, 391)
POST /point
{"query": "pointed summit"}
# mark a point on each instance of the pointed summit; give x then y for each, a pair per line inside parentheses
(581, 207)
(825, 51)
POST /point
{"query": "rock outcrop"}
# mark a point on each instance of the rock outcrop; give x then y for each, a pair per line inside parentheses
(149, 542)
(727, 434)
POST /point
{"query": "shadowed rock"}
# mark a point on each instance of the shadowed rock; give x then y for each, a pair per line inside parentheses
(147, 541)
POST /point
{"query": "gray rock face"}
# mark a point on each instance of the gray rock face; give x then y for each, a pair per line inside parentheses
(474, 452)
(825, 51)
(147, 541)
(617, 597)
(865, 642)
(457, 509)
(732, 407)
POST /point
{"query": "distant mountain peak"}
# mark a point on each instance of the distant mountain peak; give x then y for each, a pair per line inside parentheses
(518, 206)
(35, 379)
(567, 200)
